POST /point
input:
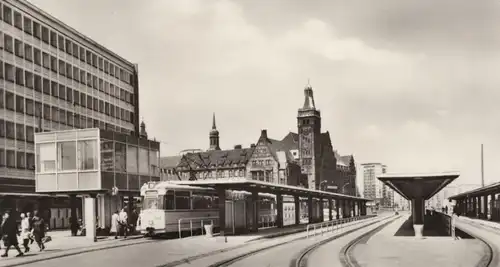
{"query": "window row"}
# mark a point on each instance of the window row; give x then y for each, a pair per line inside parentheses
(64, 44)
(67, 156)
(17, 131)
(63, 68)
(35, 108)
(52, 88)
(17, 159)
(182, 200)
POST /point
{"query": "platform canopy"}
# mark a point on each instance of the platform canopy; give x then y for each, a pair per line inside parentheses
(481, 191)
(266, 187)
(413, 186)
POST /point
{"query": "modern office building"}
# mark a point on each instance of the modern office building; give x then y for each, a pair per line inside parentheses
(374, 188)
(53, 78)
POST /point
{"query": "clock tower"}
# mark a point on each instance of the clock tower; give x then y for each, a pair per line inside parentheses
(309, 129)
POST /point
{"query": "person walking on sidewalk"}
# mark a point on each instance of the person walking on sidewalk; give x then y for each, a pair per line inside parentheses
(39, 230)
(115, 221)
(10, 232)
(29, 215)
(25, 232)
(123, 222)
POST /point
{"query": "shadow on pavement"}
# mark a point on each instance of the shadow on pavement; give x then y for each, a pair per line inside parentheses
(433, 227)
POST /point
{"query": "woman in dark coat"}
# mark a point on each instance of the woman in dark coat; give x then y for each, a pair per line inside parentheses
(9, 234)
(39, 230)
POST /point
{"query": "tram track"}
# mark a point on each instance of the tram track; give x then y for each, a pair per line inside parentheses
(236, 259)
(490, 250)
(301, 260)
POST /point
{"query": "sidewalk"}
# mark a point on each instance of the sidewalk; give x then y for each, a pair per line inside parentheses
(63, 244)
(490, 224)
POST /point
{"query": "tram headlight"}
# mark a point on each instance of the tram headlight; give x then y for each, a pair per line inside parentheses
(151, 222)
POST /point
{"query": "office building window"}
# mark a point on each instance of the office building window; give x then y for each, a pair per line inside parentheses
(46, 86)
(28, 79)
(10, 101)
(53, 39)
(2, 98)
(19, 104)
(37, 33)
(30, 161)
(2, 157)
(10, 73)
(21, 160)
(30, 134)
(60, 40)
(66, 152)
(19, 76)
(18, 20)
(7, 14)
(53, 64)
(54, 87)
(27, 25)
(28, 52)
(37, 82)
(87, 155)
(62, 91)
(11, 159)
(20, 132)
(46, 157)
(131, 159)
(46, 60)
(2, 128)
(10, 130)
(19, 48)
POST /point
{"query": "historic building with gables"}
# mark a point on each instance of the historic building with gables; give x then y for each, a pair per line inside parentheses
(306, 158)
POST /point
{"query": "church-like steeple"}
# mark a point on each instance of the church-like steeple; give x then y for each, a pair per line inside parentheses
(143, 133)
(214, 136)
(309, 98)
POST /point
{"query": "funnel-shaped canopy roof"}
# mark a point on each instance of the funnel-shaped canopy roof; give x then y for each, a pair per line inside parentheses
(413, 186)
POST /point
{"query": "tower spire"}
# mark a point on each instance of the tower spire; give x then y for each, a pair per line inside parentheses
(309, 97)
(214, 127)
(214, 136)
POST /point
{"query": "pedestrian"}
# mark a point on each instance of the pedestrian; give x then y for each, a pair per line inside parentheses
(25, 232)
(115, 222)
(39, 230)
(10, 233)
(133, 221)
(73, 225)
(29, 215)
(123, 222)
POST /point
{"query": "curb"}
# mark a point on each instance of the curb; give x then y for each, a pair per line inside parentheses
(81, 250)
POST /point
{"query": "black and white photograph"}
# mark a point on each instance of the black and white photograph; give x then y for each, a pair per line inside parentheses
(248, 133)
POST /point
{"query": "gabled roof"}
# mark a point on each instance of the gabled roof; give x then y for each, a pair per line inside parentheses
(276, 145)
(291, 141)
(216, 158)
(170, 162)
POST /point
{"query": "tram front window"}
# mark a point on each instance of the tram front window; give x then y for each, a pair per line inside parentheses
(150, 203)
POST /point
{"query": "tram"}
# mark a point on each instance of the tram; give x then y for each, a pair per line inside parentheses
(171, 208)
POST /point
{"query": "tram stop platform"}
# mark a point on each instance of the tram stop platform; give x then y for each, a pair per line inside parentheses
(396, 245)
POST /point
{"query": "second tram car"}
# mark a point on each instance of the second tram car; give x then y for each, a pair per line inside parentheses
(173, 208)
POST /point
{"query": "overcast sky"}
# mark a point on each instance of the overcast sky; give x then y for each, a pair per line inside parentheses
(412, 84)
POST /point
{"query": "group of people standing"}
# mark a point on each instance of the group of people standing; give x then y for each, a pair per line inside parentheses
(32, 230)
(122, 224)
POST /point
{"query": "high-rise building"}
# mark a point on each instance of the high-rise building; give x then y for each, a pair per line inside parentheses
(54, 78)
(374, 188)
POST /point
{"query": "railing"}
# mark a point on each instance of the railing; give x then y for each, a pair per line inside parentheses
(201, 220)
(331, 226)
(448, 222)
(269, 219)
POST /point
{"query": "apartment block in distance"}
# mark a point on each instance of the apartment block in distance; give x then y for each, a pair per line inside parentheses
(53, 78)
(374, 188)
